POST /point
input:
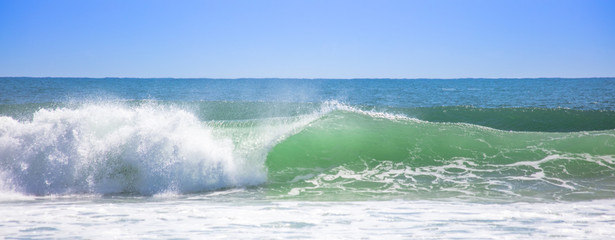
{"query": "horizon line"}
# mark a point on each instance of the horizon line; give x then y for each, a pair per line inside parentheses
(319, 78)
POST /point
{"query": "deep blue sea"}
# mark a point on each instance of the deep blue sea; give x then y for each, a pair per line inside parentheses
(307, 158)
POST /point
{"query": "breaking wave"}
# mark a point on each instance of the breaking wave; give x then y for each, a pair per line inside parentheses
(323, 150)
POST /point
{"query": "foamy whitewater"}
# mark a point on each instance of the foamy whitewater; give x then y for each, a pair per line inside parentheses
(307, 158)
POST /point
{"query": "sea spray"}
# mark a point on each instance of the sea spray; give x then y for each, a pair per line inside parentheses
(110, 148)
(138, 148)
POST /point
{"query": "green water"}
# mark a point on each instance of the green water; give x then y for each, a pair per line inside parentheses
(347, 155)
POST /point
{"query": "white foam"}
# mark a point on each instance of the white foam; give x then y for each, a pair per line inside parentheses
(225, 217)
(332, 105)
(145, 149)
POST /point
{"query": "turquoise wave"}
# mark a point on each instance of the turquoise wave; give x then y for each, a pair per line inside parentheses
(328, 151)
(350, 155)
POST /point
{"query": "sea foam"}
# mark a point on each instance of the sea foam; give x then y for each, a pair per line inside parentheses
(111, 148)
(144, 148)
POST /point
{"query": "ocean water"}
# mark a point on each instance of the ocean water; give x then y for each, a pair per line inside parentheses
(307, 158)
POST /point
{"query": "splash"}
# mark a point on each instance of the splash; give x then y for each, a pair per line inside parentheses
(145, 149)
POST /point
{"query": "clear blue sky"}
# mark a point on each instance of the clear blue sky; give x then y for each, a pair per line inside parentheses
(308, 39)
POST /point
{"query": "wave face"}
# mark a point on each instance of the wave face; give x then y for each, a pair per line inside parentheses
(328, 150)
(366, 155)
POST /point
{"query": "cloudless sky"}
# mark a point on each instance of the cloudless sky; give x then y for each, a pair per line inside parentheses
(308, 39)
